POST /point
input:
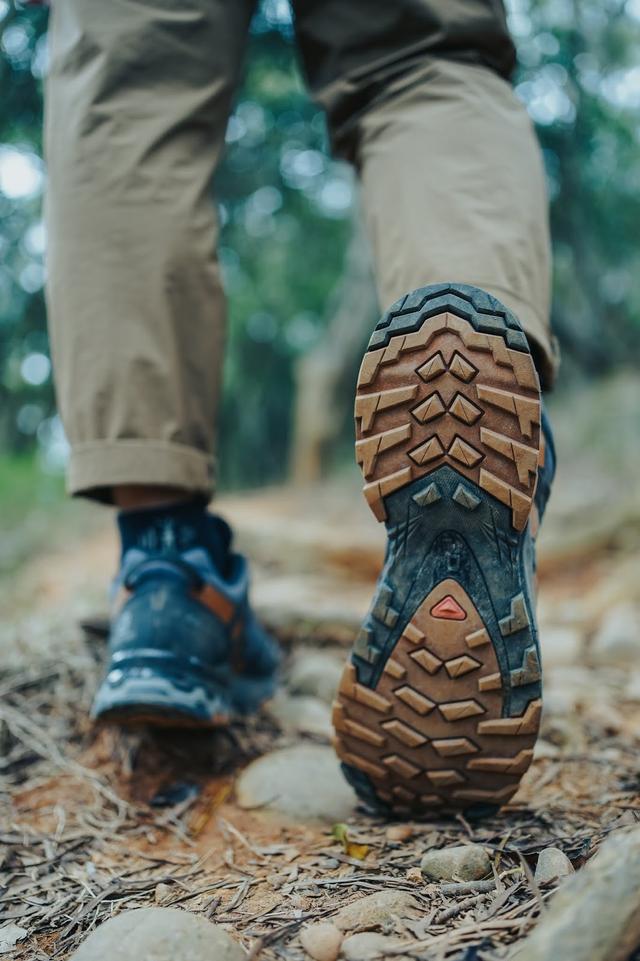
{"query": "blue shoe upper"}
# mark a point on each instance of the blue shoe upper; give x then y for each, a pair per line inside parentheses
(547, 471)
(169, 609)
(183, 639)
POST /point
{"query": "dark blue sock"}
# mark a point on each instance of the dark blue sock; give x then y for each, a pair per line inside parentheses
(176, 528)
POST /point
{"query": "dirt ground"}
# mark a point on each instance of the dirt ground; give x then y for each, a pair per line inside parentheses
(95, 821)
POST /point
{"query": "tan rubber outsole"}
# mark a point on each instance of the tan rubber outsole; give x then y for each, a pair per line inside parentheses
(431, 732)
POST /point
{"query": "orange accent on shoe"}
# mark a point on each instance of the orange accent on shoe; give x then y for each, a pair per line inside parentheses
(216, 602)
(448, 609)
(120, 600)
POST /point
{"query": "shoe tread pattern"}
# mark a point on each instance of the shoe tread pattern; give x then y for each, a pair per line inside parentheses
(447, 382)
(440, 392)
(432, 733)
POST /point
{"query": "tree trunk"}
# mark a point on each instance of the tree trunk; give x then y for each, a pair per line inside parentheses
(321, 374)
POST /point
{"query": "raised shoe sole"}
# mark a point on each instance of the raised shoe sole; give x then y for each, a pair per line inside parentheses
(440, 703)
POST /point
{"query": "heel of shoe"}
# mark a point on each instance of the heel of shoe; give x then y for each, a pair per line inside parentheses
(166, 692)
(163, 695)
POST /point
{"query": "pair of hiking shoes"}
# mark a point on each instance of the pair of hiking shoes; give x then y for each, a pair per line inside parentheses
(439, 704)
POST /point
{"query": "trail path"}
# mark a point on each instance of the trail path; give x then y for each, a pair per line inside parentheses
(96, 821)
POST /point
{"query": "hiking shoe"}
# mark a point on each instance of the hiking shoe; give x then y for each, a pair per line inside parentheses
(185, 648)
(440, 703)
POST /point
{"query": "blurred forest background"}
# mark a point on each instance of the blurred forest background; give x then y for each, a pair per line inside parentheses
(294, 260)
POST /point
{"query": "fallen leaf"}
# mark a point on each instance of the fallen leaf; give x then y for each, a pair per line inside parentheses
(351, 848)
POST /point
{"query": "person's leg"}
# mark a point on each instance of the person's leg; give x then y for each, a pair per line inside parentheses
(440, 703)
(453, 186)
(137, 101)
(417, 97)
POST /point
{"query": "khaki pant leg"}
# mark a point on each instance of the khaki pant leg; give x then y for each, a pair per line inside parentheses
(137, 101)
(417, 96)
(454, 190)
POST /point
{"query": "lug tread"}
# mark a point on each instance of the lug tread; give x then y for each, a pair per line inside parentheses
(431, 732)
(448, 388)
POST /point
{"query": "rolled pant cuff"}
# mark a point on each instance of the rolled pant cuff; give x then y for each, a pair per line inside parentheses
(543, 343)
(95, 467)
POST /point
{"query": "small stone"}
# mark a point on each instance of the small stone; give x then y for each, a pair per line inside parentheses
(544, 750)
(308, 715)
(321, 941)
(560, 645)
(595, 913)
(316, 673)
(161, 934)
(414, 876)
(10, 934)
(463, 862)
(552, 864)
(163, 893)
(303, 783)
(376, 910)
(617, 640)
(368, 944)
(399, 833)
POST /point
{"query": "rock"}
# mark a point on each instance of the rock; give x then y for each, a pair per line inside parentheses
(552, 864)
(375, 910)
(159, 934)
(544, 750)
(303, 783)
(316, 673)
(10, 934)
(464, 862)
(560, 645)
(595, 914)
(617, 641)
(368, 944)
(399, 833)
(163, 893)
(321, 941)
(308, 715)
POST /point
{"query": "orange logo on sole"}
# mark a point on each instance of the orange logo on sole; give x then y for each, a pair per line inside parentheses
(448, 609)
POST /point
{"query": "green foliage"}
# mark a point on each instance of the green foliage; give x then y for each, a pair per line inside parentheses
(580, 79)
(286, 211)
(29, 494)
(22, 314)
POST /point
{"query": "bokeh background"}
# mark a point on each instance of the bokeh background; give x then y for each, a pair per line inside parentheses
(296, 264)
(80, 809)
